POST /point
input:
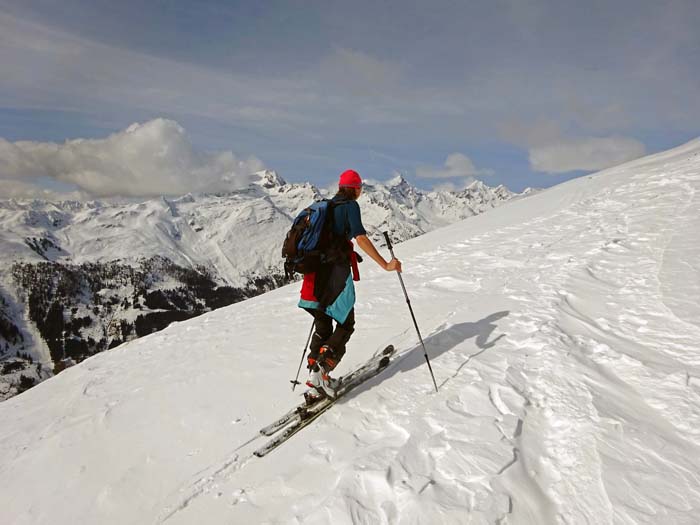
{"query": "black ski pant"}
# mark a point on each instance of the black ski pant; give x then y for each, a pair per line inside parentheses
(324, 334)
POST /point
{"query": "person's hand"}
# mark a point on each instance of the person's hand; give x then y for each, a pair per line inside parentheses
(393, 265)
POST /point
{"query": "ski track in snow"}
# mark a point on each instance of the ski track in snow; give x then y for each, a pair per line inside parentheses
(565, 348)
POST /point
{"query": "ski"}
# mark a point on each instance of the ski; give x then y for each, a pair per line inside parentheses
(287, 418)
(273, 427)
(298, 411)
(301, 416)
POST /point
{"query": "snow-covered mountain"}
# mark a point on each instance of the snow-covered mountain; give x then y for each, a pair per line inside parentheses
(237, 234)
(564, 333)
(79, 277)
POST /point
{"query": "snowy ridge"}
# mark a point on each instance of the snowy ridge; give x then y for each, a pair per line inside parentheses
(563, 330)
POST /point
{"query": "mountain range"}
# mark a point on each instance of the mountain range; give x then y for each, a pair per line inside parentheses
(80, 277)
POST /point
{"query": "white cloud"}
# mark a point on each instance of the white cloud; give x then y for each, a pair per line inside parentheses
(587, 154)
(154, 158)
(456, 165)
(552, 150)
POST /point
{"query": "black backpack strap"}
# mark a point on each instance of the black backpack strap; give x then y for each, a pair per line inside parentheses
(337, 249)
(333, 204)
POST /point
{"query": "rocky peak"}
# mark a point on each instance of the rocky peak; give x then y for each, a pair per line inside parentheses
(269, 179)
(397, 180)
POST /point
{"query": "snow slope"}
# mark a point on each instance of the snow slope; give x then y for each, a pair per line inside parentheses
(563, 330)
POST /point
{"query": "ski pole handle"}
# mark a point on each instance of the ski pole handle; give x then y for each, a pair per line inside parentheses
(388, 243)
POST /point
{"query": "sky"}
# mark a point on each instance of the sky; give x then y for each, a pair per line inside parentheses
(106, 98)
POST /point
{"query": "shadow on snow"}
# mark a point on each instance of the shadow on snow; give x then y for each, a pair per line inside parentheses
(445, 338)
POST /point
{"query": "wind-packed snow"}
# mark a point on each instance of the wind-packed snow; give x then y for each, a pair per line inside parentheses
(563, 331)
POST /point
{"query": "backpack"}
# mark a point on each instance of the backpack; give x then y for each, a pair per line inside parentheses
(310, 241)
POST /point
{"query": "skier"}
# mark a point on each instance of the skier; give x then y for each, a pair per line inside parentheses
(329, 294)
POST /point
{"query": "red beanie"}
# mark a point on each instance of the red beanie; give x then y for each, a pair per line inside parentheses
(350, 179)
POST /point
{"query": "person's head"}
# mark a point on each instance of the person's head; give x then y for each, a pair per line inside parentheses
(350, 184)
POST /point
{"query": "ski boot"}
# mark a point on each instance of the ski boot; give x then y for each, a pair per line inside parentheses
(327, 362)
(314, 382)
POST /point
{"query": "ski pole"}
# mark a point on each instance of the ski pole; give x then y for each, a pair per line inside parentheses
(295, 381)
(408, 302)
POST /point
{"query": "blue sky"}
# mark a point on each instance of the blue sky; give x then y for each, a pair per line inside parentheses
(515, 92)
